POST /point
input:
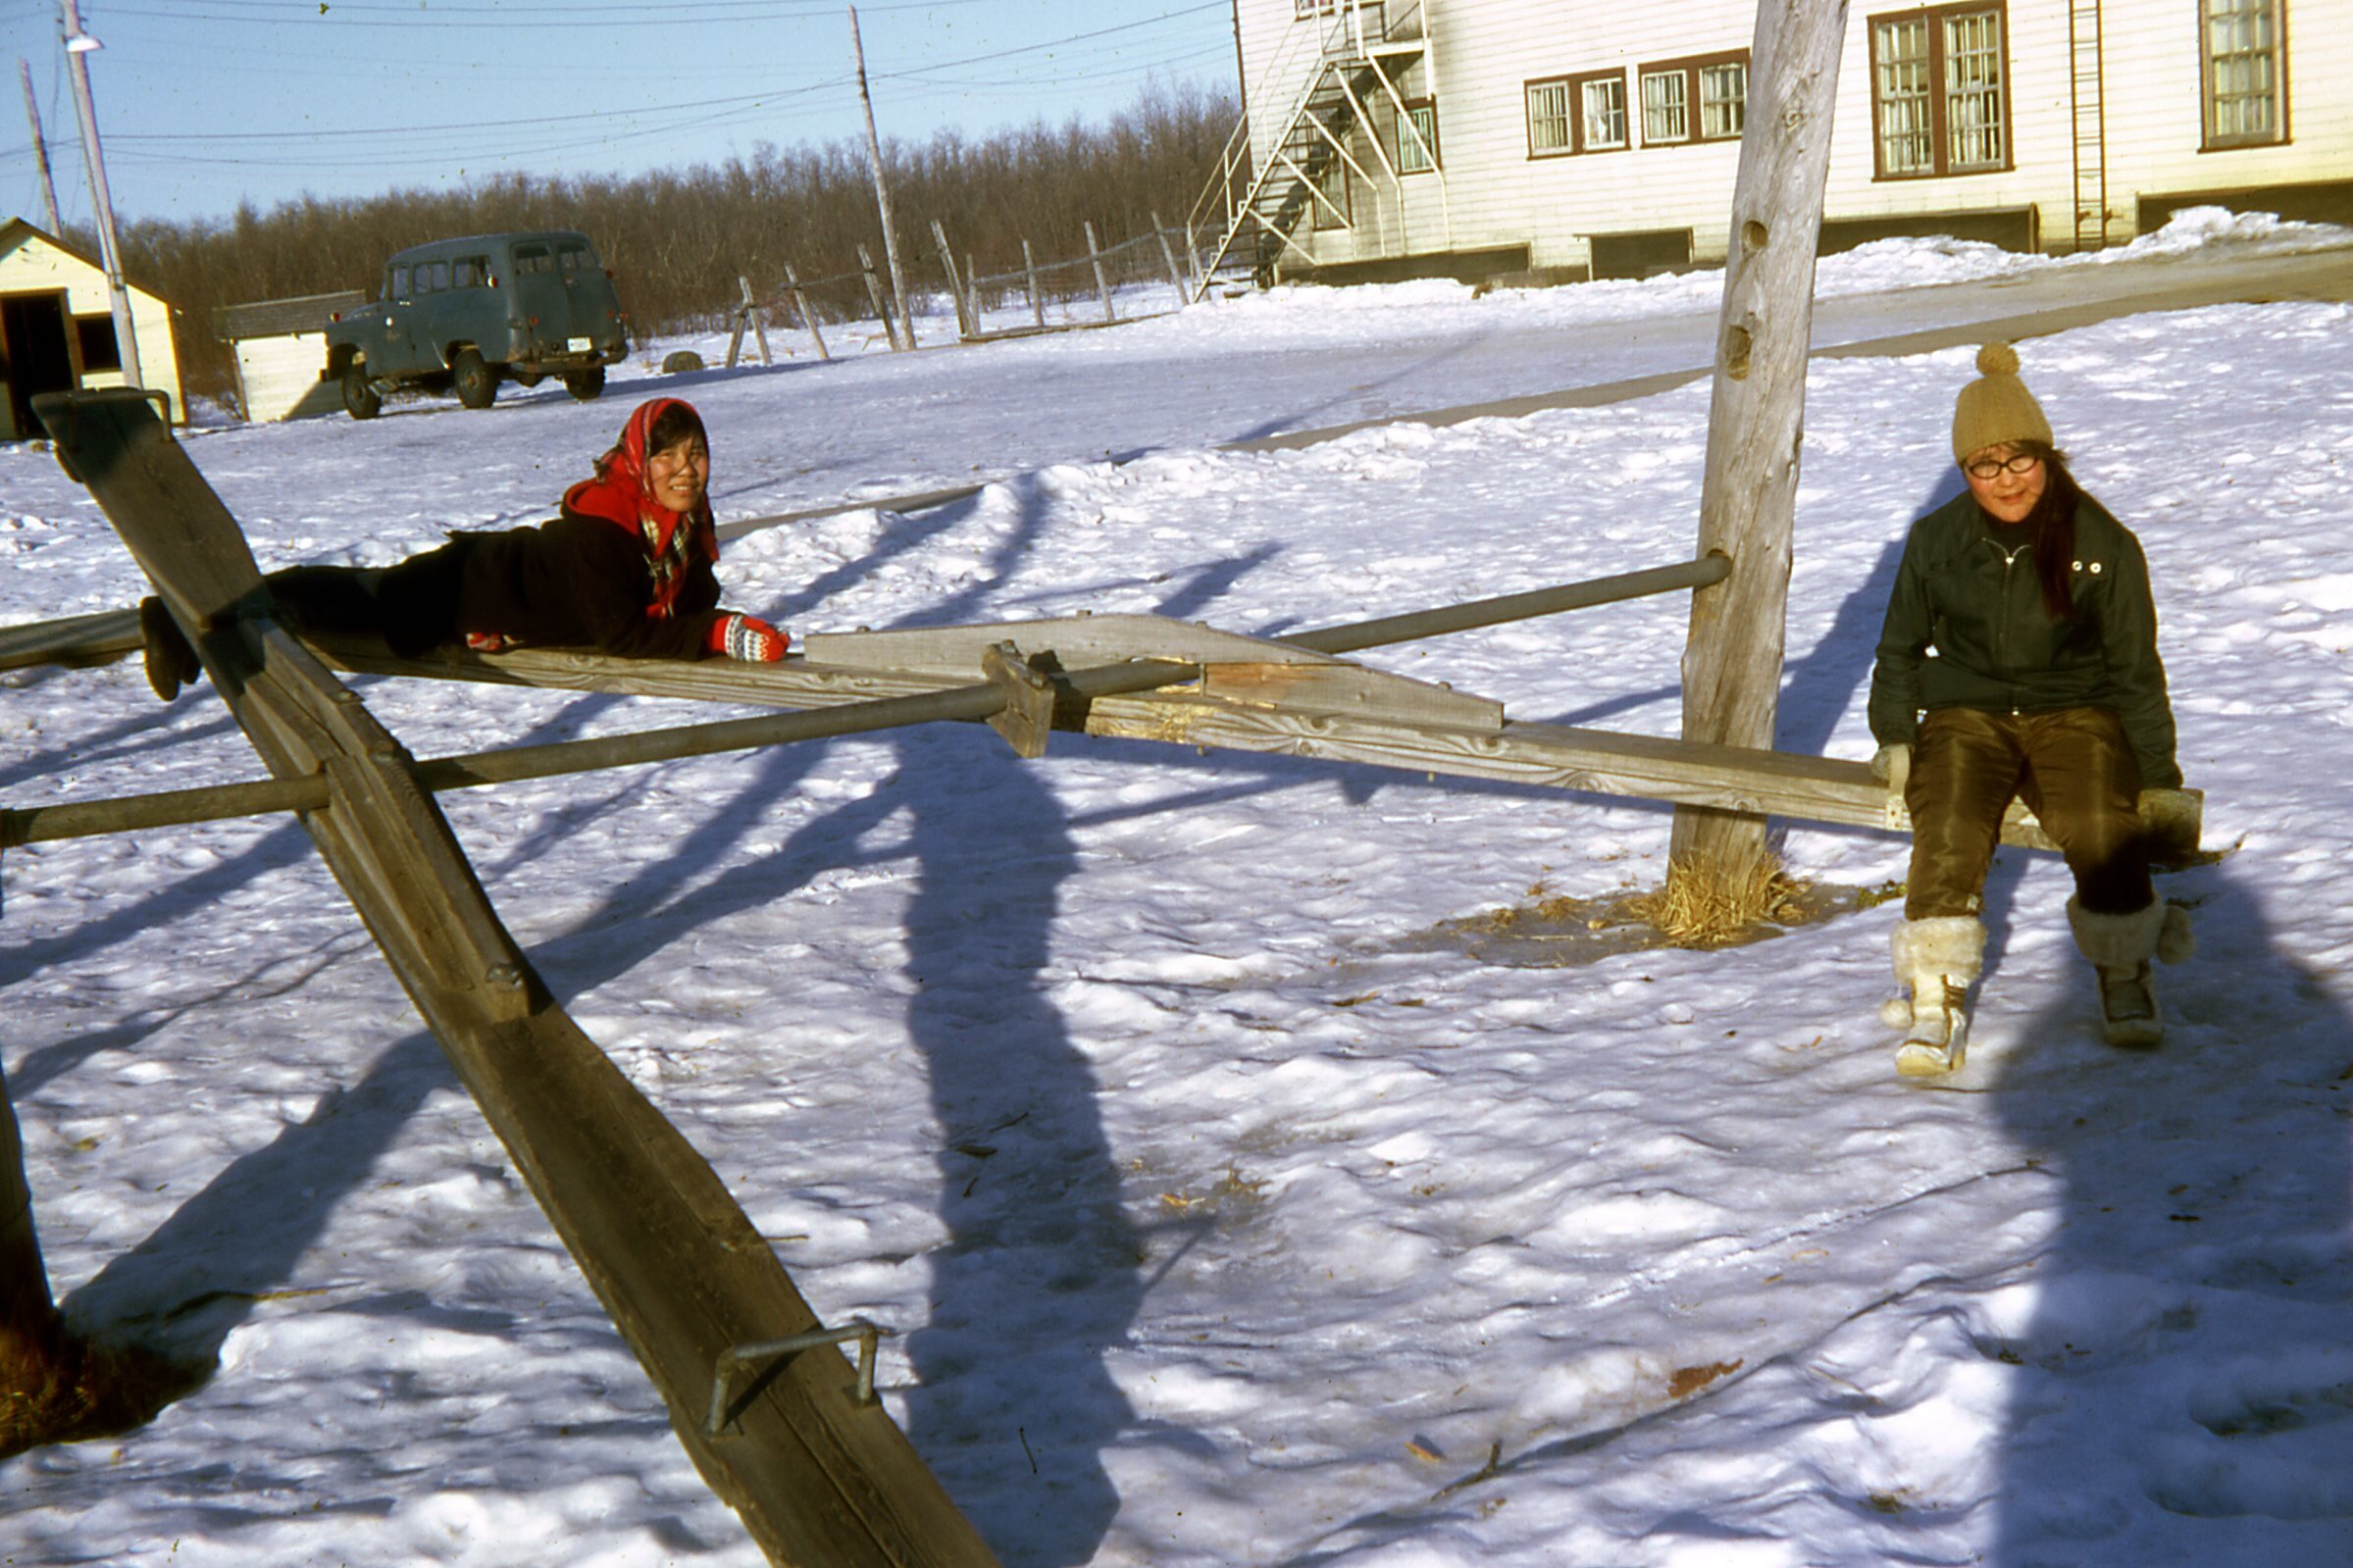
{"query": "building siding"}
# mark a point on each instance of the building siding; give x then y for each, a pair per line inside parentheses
(1481, 54)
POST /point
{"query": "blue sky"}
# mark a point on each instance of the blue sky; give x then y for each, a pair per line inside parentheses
(206, 103)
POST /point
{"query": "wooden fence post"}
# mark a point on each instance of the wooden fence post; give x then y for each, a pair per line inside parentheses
(1102, 285)
(955, 286)
(1176, 279)
(972, 282)
(801, 303)
(1029, 268)
(746, 313)
(882, 312)
(1748, 502)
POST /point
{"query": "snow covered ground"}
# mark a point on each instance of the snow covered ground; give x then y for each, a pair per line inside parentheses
(1235, 1207)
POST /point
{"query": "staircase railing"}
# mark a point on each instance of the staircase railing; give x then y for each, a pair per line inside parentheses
(1344, 37)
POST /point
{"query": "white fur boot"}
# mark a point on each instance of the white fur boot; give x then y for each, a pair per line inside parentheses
(2120, 947)
(1938, 958)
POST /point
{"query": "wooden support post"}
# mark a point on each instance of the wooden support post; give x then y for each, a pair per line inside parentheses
(1732, 661)
(965, 325)
(1029, 268)
(882, 311)
(1102, 283)
(972, 282)
(1028, 716)
(759, 318)
(816, 1476)
(808, 317)
(1176, 279)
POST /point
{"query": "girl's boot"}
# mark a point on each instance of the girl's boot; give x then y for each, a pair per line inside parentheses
(2120, 948)
(1938, 958)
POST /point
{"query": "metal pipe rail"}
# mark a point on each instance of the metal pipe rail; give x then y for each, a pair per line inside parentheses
(31, 825)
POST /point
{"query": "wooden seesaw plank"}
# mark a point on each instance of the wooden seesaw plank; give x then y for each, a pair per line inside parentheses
(1390, 725)
(819, 1479)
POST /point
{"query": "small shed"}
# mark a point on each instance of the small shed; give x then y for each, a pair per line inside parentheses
(278, 347)
(57, 328)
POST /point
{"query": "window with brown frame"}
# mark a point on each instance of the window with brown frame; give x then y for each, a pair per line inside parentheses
(1578, 114)
(2244, 55)
(1703, 98)
(1417, 157)
(1940, 91)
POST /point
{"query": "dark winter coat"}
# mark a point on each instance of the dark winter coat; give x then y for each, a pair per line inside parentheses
(613, 571)
(1966, 628)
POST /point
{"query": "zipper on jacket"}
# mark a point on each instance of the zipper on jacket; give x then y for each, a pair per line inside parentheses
(2002, 622)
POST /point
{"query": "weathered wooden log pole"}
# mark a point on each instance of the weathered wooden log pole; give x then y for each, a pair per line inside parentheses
(818, 1477)
(808, 317)
(1755, 424)
(28, 1323)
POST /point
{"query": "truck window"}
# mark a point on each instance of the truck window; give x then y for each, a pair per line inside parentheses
(433, 278)
(576, 259)
(534, 259)
(469, 272)
(397, 284)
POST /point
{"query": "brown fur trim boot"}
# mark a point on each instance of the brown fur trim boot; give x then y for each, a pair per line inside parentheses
(2120, 948)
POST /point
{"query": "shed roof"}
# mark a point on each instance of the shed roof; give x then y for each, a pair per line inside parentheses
(280, 317)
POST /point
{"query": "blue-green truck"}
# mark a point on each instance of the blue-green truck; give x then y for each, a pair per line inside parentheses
(462, 315)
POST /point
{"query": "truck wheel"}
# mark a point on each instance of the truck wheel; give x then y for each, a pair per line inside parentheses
(360, 399)
(476, 381)
(586, 385)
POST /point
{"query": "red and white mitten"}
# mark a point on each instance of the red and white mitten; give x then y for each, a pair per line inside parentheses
(747, 636)
(488, 641)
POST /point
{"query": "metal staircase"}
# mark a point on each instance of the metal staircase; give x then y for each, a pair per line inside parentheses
(1317, 88)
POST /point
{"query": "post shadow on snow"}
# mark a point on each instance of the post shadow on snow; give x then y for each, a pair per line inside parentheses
(1819, 685)
(2188, 1372)
(1297, 418)
(1012, 1402)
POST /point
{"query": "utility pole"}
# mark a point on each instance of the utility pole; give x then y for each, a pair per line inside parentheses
(77, 44)
(902, 332)
(40, 148)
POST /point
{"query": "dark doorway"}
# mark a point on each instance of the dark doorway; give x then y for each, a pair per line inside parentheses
(33, 357)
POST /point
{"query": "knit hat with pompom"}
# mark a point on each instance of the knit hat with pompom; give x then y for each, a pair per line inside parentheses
(1996, 408)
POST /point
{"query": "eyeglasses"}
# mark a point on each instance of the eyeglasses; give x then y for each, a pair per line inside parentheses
(1986, 468)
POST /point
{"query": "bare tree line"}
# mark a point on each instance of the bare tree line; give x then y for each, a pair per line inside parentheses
(677, 239)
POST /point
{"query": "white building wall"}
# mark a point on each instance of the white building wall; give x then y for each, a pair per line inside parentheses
(278, 377)
(1483, 52)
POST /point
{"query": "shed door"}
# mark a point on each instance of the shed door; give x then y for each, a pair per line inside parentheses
(33, 337)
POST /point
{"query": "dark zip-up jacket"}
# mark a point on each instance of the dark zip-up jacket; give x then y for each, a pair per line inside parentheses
(1966, 629)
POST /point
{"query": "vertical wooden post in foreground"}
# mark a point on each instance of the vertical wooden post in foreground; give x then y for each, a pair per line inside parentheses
(1176, 279)
(1732, 661)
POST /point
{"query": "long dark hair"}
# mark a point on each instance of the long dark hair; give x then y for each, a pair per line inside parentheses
(2053, 520)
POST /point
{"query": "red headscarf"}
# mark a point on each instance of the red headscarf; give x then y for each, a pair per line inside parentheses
(618, 495)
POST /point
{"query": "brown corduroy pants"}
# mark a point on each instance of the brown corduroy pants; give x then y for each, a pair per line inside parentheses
(2074, 771)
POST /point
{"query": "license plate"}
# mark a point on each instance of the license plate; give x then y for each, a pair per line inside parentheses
(577, 345)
